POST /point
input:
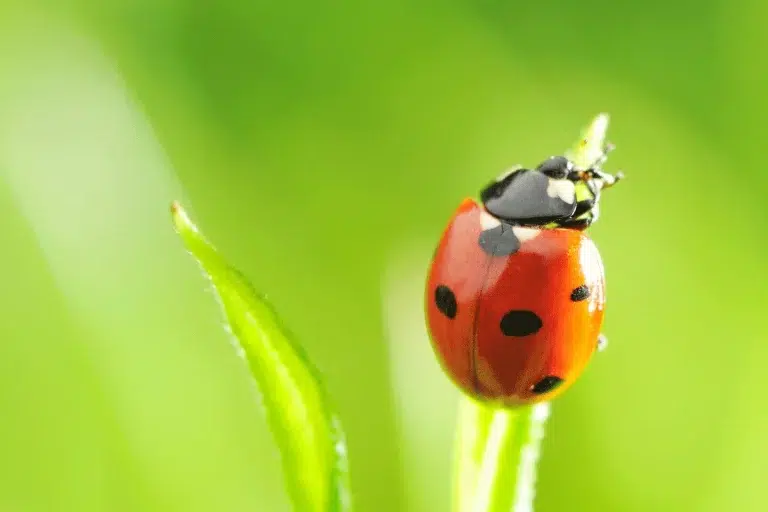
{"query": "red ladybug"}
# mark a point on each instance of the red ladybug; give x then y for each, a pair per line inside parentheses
(516, 291)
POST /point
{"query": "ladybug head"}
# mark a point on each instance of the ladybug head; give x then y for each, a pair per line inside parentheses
(588, 183)
(556, 194)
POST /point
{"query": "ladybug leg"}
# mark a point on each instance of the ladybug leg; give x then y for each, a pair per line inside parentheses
(609, 180)
(602, 342)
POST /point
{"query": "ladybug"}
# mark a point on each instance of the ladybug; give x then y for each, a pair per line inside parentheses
(515, 293)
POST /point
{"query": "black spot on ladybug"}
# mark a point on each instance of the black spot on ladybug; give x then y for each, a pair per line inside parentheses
(445, 300)
(522, 198)
(499, 241)
(546, 384)
(580, 293)
(520, 323)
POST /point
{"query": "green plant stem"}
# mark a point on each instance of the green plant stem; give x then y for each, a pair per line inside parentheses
(497, 454)
(472, 433)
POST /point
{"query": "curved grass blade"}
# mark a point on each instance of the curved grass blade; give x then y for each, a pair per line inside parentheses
(299, 412)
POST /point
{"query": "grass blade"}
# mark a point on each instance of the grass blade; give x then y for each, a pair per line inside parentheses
(299, 412)
(497, 453)
(472, 435)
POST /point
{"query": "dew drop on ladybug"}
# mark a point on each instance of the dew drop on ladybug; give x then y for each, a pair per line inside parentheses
(515, 294)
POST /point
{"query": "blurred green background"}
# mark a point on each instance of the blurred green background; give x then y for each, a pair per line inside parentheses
(322, 147)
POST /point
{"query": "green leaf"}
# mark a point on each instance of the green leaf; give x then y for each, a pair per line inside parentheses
(305, 426)
(497, 449)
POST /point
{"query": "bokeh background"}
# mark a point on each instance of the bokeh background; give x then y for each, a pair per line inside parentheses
(322, 147)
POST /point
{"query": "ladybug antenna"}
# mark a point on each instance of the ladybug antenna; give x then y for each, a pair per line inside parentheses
(607, 180)
(591, 151)
(595, 171)
(602, 157)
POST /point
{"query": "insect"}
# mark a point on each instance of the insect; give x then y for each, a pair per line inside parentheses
(515, 293)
